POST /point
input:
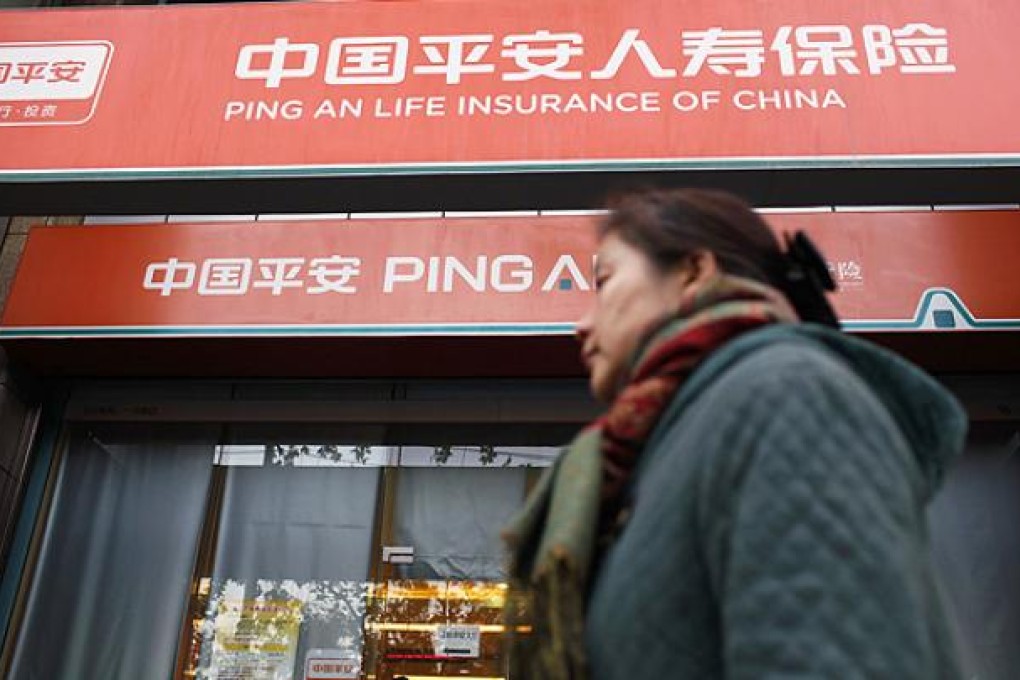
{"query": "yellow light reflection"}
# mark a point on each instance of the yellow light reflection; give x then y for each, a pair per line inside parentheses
(428, 591)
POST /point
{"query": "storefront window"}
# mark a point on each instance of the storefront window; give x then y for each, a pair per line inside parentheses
(447, 517)
(286, 569)
(167, 555)
(381, 560)
(115, 564)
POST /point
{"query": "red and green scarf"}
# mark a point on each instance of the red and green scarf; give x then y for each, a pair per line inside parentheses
(554, 540)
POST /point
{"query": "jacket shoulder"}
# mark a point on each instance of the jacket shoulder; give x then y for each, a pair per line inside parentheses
(761, 384)
(789, 403)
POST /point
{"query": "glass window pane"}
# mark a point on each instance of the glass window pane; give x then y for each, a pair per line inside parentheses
(291, 561)
(452, 517)
(290, 580)
(296, 523)
(108, 596)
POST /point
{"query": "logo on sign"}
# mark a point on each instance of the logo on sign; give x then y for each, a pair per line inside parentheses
(328, 664)
(51, 83)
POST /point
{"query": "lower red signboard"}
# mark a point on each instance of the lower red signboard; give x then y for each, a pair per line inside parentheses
(477, 275)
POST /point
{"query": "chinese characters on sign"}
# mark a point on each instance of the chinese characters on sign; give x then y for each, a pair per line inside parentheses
(507, 273)
(846, 273)
(829, 50)
(51, 83)
(336, 667)
(27, 72)
(233, 276)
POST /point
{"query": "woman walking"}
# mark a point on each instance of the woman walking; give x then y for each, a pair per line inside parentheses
(751, 504)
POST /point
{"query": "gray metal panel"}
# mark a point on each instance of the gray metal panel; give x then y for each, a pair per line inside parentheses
(333, 402)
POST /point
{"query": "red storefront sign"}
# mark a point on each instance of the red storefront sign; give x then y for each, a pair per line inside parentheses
(474, 276)
(279, 89)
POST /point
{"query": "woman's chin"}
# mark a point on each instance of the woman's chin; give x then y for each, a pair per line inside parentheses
(600, 387)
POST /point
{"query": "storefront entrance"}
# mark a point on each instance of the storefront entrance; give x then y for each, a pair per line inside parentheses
(285, 531)
(321, 530)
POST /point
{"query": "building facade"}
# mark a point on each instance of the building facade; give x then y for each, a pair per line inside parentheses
(289, 291)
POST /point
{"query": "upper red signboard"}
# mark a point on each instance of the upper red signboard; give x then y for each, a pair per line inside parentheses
(473, 85)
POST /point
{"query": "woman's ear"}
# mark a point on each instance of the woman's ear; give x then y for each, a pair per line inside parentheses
(704, 266)
(696, 269)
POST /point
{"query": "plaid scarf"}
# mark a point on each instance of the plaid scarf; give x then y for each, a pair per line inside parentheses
(554, 541)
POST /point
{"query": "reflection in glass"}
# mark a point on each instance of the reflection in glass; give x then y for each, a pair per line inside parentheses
(293, 569)
(268, 629)
(285, 566)
(409, 623)
(366, 455)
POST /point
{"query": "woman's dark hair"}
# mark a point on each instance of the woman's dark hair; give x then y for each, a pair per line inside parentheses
(668, 225)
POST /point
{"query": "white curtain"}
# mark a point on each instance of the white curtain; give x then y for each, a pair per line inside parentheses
(108, 597)
(452, 518)
(297, 523)
(976, 546)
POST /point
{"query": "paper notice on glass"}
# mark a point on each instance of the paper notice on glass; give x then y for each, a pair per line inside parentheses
(458, 641)
(256, 640)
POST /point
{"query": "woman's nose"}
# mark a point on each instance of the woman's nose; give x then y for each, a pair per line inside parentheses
(583, 327)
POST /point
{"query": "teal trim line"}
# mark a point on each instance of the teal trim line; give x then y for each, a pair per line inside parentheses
(929, 297)
(382, 170)
(31, 506)
(296, 331)
(862, 326)
(925, 307)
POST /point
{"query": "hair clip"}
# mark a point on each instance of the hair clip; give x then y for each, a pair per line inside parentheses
(807, 279)
(807, 261)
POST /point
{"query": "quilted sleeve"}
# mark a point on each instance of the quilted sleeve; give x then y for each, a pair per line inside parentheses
(822, 569)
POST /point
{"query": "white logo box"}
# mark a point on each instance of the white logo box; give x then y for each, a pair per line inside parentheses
(40, 73)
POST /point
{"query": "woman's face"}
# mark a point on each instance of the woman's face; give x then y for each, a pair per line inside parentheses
(632, 297)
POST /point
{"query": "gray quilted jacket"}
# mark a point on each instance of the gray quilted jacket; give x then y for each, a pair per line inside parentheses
(777, 527)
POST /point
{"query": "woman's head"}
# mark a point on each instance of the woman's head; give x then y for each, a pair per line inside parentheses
(669, 225)
(655, 249)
